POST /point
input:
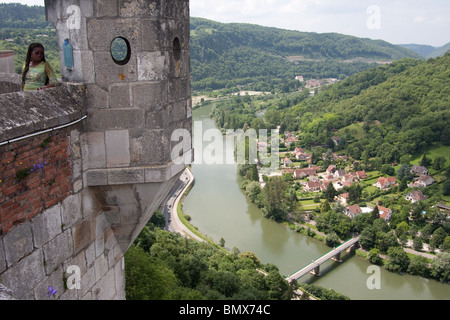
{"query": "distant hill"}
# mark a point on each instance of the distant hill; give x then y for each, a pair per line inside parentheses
(423, 50)
(225, 54)
(15, 15)
(427, 51)
(403, 107)
(439, 52)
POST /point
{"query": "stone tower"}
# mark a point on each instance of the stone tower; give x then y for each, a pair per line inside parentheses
(129, 63)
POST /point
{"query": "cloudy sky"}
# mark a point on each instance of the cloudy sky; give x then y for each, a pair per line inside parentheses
(396, 21)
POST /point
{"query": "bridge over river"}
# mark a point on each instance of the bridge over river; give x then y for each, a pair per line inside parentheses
(314, 267)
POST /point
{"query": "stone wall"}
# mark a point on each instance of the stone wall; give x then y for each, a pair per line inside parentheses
(9, 82)
(99, 145)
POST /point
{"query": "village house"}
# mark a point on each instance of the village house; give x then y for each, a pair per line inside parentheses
(286, 162)
(423, 181)
(340, 174)
(312, 186)
(350, 178)
(385, 183)
(419, 170)
(331, 169)
(304, 173)
(289, 140)
(353, 210)
(324, 185)
(385, 213)
(343, 198)
(361, 175)
(415, 195)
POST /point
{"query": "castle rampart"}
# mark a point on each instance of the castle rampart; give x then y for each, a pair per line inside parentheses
(86, 164)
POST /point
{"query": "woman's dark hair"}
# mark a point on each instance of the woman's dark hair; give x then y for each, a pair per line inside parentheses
(28, 60)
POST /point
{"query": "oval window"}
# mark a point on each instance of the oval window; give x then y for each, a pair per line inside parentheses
(120, 50)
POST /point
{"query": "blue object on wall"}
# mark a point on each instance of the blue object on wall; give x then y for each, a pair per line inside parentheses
(68, 54)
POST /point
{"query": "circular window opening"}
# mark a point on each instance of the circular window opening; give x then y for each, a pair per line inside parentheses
(120, 50)
(177, 49)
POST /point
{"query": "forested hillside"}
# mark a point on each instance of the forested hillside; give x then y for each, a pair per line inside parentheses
(224, 55)
(21, 25)
(403, 107)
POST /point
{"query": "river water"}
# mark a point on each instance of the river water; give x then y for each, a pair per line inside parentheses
(220, 210)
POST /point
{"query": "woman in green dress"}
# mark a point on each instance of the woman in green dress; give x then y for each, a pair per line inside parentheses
(37, 73)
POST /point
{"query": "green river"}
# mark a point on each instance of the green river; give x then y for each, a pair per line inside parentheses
(220, 210)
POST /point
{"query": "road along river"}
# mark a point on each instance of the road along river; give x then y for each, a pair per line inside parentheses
(220, 210)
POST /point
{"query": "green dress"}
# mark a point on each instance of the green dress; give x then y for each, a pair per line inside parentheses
(40, 76)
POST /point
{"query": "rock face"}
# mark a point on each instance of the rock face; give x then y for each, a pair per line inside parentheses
(126, 89)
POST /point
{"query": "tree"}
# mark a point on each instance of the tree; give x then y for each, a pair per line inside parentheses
(375, 213)
(446, 188)
(325, 206)
(330, 192)
(332, 239)
(419, 266)
(147, 278)
(439, 163)
(367, 238)
(440, 267)
(374, 256)
(418, 243)
(425, 162)
(404, 172)
(446, 244)
(354, 193)
(273, 197)
(398, 260)
(438, 237)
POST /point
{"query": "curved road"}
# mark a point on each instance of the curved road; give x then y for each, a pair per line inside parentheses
(173, 223)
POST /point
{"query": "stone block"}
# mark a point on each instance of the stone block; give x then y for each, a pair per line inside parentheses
(93, 149)
(106, 8)
(105, 288)
(97, 97)
(18, 243)
(99, 245)
(96, 177)
(46, 226)
(100, 266)
(30, 271)
(71, 210)
(152, 35)
(57, 250)
(116, 119)
(119, 95)
(82, 235)
(55, 280)
(117, 148)
(125, 176)
(139, 8)
(90, 254)
(152, 66)
(107, 71)
(149, 96)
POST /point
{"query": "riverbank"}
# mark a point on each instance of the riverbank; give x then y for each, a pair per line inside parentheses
(178, 221)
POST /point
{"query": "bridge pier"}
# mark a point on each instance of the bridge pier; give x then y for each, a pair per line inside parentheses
(337, 257)
(316, 271)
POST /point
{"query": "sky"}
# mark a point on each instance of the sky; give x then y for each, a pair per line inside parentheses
(395, 21)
